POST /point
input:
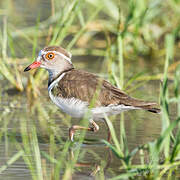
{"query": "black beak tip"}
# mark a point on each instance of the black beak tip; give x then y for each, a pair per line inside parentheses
(27, 69)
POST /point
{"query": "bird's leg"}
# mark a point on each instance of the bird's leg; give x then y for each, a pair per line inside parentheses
(77, 127)
(109, 133)
(95, 127)
(74, 128)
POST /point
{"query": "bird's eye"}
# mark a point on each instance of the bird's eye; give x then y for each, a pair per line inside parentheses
(50, 56)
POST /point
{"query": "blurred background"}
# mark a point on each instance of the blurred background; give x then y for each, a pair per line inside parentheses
(133, 44)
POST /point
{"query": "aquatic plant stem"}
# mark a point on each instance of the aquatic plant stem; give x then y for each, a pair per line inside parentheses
(120, 58)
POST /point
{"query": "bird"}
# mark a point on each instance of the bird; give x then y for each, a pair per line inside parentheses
(73, 90)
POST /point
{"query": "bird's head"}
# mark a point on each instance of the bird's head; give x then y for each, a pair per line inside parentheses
(53, 58)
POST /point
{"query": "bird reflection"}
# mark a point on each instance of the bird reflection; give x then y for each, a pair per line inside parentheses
(93, 164)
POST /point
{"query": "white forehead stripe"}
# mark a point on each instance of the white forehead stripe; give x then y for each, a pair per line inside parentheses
(55, 52)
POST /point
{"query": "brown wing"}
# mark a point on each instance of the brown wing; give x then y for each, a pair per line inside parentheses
(88, 87)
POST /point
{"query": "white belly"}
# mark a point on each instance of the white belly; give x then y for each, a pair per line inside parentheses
(72, 106)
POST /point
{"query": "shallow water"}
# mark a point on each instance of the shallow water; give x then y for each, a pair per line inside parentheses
(141, 126)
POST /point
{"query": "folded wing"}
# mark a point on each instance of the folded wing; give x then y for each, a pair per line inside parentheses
(96, 91)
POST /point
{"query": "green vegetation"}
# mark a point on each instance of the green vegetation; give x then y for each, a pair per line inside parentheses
(121, 35)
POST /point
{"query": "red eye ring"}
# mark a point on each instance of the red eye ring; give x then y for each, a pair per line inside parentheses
(50, 55)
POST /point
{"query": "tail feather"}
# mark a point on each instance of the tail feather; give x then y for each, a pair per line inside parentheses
(154, 110)
(149, 106)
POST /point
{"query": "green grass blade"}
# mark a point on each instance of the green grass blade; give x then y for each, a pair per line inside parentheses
(14, 158)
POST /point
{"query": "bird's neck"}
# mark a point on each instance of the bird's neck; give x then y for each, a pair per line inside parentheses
(54, 74)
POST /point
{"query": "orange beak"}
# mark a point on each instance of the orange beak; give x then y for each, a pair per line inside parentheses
(32, 66)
